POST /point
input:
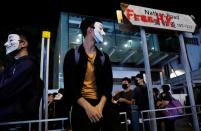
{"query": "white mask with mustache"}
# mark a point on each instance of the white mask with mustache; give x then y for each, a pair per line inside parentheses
(12, 43)
(98, 32)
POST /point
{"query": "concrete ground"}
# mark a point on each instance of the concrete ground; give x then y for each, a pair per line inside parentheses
(183, 125)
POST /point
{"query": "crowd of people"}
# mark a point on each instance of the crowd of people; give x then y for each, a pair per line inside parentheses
(139, 96)
(88, 83)
(56, 108)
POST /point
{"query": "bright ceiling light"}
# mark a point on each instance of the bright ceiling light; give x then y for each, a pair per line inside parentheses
(79, 35)
(126, 45)
(105, 43)
(176, 73)
(77, 40)
(130, 41)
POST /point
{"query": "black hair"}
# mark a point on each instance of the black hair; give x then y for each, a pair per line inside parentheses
(88, 22)
(139, 76)
(166, 87)
(155, 90)
(49, 94)
(54, 94)
(126, 79)
(166, 96)
(61, 91)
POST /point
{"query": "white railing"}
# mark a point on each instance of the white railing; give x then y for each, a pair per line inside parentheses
(30, 122)
(148, 112)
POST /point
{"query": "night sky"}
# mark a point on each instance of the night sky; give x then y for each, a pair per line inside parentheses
(44, 14)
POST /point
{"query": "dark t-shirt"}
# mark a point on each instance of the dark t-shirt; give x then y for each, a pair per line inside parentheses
(140, 95)
(122, 94)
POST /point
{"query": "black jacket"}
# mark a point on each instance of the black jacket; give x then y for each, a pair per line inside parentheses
(74, 75)
(20, 90)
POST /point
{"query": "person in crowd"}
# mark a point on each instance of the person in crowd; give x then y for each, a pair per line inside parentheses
(156, 95)
(50, 98)
(164, 98)
(88, 82)
(59, 101)
(20, 83)
(51, 111)
(124, 98)
(140, 96)
(51, 106)
(163, 95)
(60, 111)
(188, 110)
(158, 113)
(165, 91)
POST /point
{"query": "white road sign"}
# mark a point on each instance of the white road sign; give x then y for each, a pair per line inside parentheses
(148, 17)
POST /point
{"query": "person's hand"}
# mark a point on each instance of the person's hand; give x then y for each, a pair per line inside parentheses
(158, 104)
(115, 102)
(121, 100)
(93, 113)
(99, 108)
(165, 103)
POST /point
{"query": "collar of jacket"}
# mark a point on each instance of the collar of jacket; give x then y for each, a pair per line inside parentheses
(81, 50)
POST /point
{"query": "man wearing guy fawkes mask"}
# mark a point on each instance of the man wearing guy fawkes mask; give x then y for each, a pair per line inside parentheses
(14, 44)
(88, 83)
(20, 84)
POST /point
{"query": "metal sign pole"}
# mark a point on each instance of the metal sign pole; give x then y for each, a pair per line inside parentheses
(44, 75)
(41, 76)
(148, 78)
(161, 77)
(189, 84)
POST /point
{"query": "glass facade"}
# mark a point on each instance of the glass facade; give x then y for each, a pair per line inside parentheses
(124, 48)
